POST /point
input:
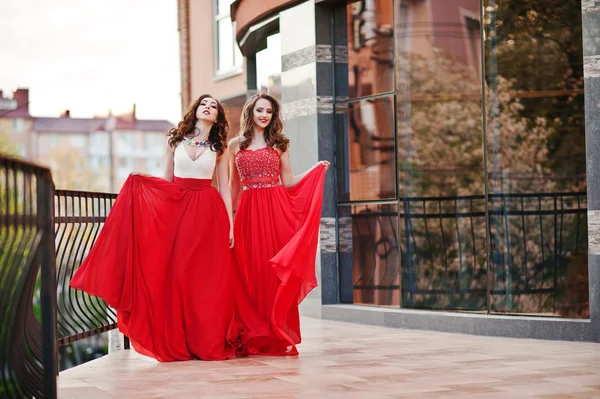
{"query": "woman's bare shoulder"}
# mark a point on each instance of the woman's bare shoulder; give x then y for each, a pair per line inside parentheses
(234, 145)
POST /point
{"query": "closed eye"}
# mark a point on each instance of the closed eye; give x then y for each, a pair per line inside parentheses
(213, 104)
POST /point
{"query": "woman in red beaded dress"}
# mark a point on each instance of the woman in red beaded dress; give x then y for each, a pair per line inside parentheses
(277, 221)
(163, 258)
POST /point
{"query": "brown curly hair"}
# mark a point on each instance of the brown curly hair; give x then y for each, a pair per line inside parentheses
(273, 133)
(217, 138)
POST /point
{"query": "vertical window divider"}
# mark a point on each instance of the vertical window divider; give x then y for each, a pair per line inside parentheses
(485, 162)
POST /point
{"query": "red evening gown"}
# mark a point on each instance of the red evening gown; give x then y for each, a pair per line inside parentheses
(276, 235)
(163, 261)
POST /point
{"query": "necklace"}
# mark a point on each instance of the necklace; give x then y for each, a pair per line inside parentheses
(193, 143)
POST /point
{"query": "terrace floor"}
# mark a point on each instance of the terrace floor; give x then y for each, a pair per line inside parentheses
(341, 360)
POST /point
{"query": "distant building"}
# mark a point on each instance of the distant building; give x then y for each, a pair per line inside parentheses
(111, 147)
(16, 122)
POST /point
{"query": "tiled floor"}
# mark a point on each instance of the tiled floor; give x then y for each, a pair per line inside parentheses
(340, 360)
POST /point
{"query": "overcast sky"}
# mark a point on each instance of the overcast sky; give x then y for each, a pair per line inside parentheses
(92, 56)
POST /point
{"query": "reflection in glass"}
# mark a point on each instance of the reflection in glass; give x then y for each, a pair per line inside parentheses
(443, 248)
(440, 152)
(536, 157)
(370, 48)
(369, 252)
(268, 67)
(509, 236)
(370, 147)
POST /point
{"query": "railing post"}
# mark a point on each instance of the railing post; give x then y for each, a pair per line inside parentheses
(45, 197)
(408, 252)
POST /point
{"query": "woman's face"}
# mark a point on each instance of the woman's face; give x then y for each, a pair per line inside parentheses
(262, 113)
(207, 110)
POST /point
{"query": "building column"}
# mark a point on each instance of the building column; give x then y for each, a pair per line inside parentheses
(591, 55)
(183, 23)
(306, 82)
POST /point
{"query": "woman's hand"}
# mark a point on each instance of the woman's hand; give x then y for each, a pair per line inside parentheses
(135, 173)
(325, 164)
(231, 240)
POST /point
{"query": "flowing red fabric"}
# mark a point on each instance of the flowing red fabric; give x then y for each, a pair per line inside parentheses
(276, 236)
(163, 261)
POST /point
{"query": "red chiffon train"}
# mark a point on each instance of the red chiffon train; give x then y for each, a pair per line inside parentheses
(277, 232)
(163, 261)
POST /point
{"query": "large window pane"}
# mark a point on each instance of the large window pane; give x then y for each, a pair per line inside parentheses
(369, 143)
(268, 67)
(237, 54)
(440, 144)
(369, 252)
(223, 7)
(225, 44)
(443, 252)
(370, 48)
(536, 157)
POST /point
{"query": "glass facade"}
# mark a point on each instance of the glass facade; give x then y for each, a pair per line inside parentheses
(461, 156)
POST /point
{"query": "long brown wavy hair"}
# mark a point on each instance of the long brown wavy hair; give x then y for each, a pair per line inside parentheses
(217, 138)
(273, 132)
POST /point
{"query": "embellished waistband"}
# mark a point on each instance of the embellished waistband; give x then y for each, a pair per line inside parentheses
(248, 186)
(192, 184)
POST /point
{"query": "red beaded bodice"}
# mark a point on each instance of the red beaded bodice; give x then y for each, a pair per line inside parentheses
(258, 168)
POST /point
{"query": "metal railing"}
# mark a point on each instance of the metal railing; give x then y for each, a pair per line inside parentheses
(44, 237)
(434, 248)
(78, 219)
(27, 282)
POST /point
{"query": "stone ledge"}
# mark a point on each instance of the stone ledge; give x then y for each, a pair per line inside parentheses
(466, 323)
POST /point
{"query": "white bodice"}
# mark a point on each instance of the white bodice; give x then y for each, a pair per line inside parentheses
(201, 168)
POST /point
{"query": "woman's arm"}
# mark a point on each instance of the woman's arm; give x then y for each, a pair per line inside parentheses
(287, 179)
(169, 163)
(234, 177)
(223, 183)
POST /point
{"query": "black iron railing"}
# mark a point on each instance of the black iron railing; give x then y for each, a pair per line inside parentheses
(27, 282)
(78, 219)
(44, 237)
(434, 248)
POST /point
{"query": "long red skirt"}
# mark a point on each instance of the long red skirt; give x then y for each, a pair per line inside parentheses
(276, 236)
(163, 261)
